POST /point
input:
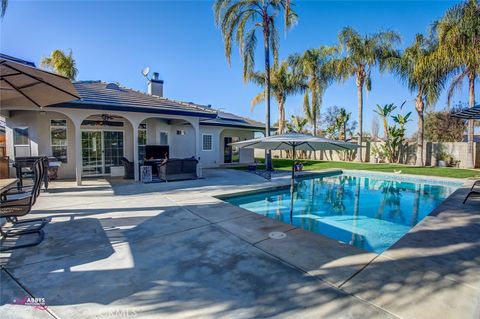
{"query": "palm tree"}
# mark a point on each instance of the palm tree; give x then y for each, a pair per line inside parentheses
(384, 112)
(362, 54)
(61, 63)
(342, 121)
(315, 66)
(459, 42)
(239, 20)
(283, 82)
(3, 9)
(423, 71)
(297, 124)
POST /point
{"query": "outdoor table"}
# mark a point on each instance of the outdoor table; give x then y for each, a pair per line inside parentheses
(7, 183)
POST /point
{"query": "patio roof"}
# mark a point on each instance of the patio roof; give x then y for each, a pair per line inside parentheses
(469, 113)
(232, 120)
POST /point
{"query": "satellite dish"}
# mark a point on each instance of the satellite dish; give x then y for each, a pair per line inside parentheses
(145, 71)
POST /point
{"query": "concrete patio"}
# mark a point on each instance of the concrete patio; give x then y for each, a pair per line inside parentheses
(135, 250)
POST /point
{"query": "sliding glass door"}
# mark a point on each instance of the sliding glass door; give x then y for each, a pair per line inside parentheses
(100, 151)
(231, 154)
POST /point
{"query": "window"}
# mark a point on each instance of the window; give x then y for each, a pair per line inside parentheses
(58, 137)
(207, 144)
(21, 142)
(163, 138)
(142, 140)
(181, 132)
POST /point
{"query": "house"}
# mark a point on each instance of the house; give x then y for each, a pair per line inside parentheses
(90, 136)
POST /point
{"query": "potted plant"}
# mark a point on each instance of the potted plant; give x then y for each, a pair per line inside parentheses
(443, 158)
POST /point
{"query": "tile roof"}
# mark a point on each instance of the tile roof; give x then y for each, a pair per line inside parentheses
(232, 120)
(111, 94)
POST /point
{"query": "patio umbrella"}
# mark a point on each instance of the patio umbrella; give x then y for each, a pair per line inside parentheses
(22, 84)
(469, 114)
(295, 142)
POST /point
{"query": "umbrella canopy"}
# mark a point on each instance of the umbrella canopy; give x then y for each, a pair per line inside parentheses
(22, 84)
(301, 142)
(469, 114)
(293, 142)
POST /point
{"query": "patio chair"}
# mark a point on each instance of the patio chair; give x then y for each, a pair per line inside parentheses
(472, 191)
(470, 194)
(19, 206)
(22, 189)
(476, 183)
(129, 168)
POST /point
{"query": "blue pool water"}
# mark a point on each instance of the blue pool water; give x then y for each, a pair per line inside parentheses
(369, 212)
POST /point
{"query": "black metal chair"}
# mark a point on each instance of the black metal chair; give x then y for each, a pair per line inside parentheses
(24, 169)
(472, 192)
(19, 206)
(129, 168)
(22, 189)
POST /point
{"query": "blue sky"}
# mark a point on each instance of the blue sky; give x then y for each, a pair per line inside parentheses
(113, 40)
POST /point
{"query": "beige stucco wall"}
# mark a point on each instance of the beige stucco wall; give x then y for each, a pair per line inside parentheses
(38, 124)
(214, 158)
(181, 146)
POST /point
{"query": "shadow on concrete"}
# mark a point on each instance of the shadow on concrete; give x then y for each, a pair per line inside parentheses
(177, 263)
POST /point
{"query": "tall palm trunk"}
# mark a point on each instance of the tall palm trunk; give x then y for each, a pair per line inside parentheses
(471, 123)
(420, 106)
(359, 82)
(281, 116)
(266, 42)
(314, 111)
(281, 119)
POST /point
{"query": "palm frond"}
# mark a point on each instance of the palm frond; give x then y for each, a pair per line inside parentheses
(260, 97)
(3, 9)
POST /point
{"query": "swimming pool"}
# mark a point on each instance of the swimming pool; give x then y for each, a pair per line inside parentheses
(370, 212)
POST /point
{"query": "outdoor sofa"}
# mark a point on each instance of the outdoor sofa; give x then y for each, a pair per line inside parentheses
(177, 169)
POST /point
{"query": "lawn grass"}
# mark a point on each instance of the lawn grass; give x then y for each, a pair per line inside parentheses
(285, 164)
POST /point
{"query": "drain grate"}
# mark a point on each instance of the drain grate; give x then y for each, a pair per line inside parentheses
(277, 235)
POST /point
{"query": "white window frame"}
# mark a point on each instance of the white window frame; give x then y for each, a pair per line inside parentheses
(66, 135)
(21, 127)
(21, 145)
(141, 129)
(160, 138)
(146, 134)
(211, 143)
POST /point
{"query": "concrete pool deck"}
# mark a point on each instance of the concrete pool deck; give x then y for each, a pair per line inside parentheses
(174, 250)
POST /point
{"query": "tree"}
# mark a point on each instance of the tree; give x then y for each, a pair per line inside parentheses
(459, 43)
(239, 20)
(3, 9)
(362, 54)
(394, 134)
(441, 126)
(61, 63)
(297, 124)
(315, 66)
(384, 112)
(423, 70)
(338, 124)
(374, 129)
(283, 82)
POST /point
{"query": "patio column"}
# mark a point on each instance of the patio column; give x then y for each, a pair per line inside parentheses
(78, 153)
(198, 145)
(135, 153)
